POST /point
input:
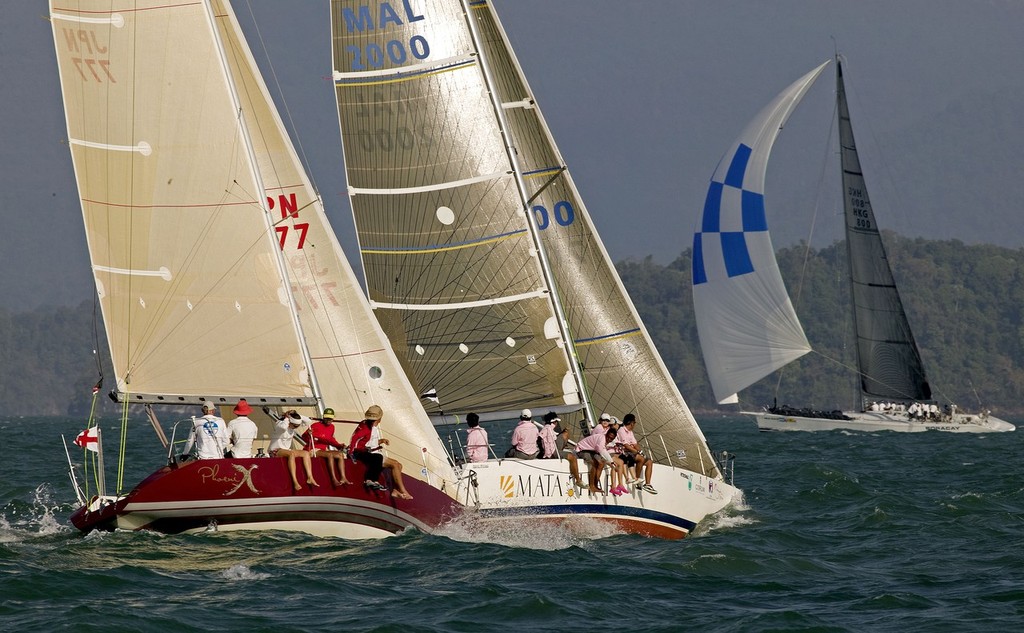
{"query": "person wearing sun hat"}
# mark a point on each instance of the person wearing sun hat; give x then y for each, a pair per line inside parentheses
(243, 430)
(320, 442)
(366, 444)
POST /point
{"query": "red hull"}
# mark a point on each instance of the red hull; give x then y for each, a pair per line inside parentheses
(232, 493)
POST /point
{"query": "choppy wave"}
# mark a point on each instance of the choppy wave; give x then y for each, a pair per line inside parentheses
(833, 532)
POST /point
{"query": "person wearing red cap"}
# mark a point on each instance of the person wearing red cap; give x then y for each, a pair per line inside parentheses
(243, 430)
(320, 442)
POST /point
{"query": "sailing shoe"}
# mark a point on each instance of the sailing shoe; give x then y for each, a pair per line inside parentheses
(649, 488)
(372, 485)
(615, 491)
(622, 490)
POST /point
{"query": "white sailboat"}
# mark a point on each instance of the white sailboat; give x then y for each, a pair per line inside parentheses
(219, 277)
(484, 268)
(747, 324)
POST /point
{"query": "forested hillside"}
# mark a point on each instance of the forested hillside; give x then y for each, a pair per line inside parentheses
(965, 303)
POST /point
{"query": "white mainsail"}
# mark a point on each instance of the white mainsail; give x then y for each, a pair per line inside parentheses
(746, 321)
(185, 263)
(352, 359)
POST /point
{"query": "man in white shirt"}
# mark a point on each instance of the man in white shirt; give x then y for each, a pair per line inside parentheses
(209, 435)
(243, 430)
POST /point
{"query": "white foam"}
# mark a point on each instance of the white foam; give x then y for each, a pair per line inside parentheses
(242, 572)
(530, 533)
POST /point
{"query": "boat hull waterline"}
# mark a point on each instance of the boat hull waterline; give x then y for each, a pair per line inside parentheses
(511, 490)
(874, 421)
(256, 494)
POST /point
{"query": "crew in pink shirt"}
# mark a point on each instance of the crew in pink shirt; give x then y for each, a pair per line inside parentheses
(524, 437)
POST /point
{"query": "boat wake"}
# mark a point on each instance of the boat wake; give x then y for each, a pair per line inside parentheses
(528, 533)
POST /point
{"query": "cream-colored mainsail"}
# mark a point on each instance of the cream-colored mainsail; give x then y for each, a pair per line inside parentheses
(432, 97)
(352, 358)
(184, 259)
(451, 262)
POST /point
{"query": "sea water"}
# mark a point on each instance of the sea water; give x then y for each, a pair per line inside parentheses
(836, 532)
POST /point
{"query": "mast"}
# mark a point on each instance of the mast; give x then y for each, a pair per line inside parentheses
(840, 109)
(261, 191)
(570, 349)
(888, 360)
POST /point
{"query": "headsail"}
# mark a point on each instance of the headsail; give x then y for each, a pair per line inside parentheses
(185, 262)
(745, 318)
(887, 356)
(451, 265)
(352, 358)
(622, 369)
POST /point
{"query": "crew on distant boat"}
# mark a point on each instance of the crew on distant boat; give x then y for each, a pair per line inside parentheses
(209, 435)
(320, 442)
(476, 439)
(632, 456)
(281, 447)
(366, 444)
(243, 430)
(524, 437)
(548, 447)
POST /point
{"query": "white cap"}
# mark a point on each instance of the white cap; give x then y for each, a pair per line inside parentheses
(605, 416)
(209, 405)
(526, 414)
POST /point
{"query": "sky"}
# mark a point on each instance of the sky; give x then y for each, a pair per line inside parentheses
(642, 96)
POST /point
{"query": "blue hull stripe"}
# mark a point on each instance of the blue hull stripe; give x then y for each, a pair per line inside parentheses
(592, 508)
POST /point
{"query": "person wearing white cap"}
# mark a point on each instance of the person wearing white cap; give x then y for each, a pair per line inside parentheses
(547, 436)
(605, 423)
(209, 434)
(524, 437)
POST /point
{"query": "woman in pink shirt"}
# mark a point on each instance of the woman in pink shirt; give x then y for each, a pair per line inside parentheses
(476, 439)
(593, 450)
(547, 436)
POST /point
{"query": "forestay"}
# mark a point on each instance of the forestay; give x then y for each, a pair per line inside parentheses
(746, 321)
(351, 357)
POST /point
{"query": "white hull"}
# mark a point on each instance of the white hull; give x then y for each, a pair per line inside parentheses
(540, 489)
(876, 421)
